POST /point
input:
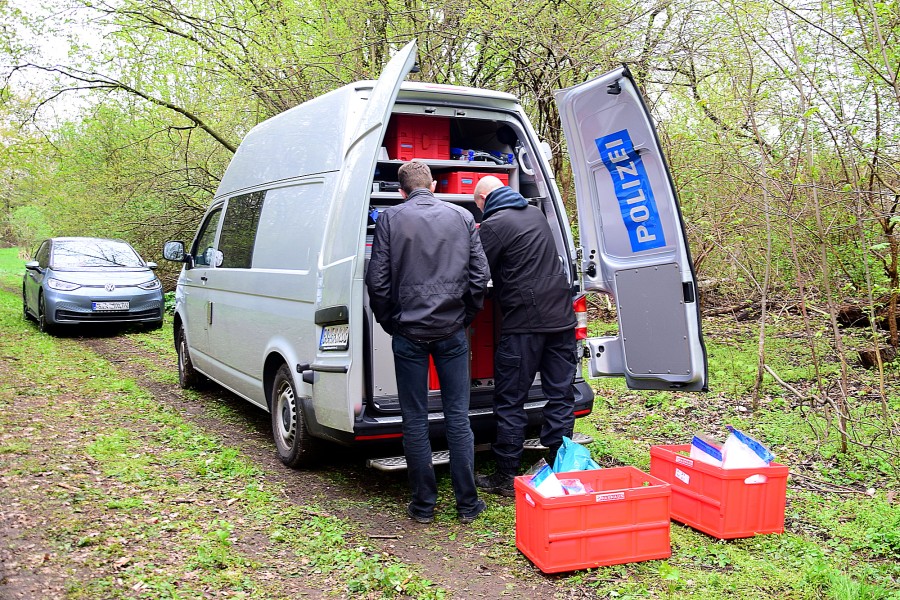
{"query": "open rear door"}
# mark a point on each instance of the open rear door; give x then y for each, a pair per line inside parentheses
(338, 388)
(633, 237)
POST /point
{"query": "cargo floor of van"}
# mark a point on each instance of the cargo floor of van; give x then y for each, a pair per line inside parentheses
(442, 457)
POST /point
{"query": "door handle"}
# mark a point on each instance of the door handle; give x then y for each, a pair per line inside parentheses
(203, 278)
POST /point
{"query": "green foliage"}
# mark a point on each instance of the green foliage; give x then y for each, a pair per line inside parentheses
(12, 267)
(28, 226)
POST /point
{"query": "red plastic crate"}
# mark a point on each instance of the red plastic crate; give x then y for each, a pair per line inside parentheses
(625, 519)
(433, 381)
(481, 342)
(416, 136)
(464, 182)
(725, 503)
(481, 348)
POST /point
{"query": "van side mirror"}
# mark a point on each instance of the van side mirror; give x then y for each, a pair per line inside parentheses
(174, 251)
(33, 265)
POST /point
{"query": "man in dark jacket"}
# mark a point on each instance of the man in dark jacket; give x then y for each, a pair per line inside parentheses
(538, 327)
(426, 281)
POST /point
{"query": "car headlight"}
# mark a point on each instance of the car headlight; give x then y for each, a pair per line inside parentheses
(153, 284)
(63, 286)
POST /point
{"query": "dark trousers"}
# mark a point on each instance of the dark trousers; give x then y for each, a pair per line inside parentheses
(518, 358)
(451, 360)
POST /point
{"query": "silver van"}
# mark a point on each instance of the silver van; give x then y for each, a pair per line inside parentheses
(271, 300)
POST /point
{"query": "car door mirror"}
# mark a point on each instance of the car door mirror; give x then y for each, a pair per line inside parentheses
(172, 251)
(33, 265)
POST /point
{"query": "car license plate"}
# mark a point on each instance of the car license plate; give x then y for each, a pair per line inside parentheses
(335, 337)
(110, 305)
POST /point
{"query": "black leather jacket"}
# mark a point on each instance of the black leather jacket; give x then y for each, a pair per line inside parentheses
(428, 273)
(529, 279)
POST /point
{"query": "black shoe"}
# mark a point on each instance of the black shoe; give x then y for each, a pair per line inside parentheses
(496, 483)
(466, 519)
(552, 451)
(418, 518)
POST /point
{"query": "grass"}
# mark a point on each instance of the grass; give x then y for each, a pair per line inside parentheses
(171, 511)
(172, 494)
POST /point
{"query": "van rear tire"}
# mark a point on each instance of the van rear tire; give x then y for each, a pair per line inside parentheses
(296, 447)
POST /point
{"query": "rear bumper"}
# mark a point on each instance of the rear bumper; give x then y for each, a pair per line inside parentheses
(376, 429)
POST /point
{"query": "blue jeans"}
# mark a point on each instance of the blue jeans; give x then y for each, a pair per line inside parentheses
(451, 359)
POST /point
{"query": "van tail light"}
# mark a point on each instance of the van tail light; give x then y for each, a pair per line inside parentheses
(580, 306)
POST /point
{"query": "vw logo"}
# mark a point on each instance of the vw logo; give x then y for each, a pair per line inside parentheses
(110, 287)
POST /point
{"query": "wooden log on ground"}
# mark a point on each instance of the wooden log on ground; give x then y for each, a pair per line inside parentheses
(869, 360)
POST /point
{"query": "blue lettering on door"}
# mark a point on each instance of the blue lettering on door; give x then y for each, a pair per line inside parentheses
(633, 191)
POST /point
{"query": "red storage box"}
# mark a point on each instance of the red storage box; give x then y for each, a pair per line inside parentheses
(481, 342)
(481, 348)
(625, 519)
(464, 182)
(725, 503)
(433, 381)
(416, 136)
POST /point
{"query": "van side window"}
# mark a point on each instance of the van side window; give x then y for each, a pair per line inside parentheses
(291, 226)
(203, 250)
(239, 230)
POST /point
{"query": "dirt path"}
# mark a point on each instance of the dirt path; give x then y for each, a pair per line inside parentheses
(457, 558)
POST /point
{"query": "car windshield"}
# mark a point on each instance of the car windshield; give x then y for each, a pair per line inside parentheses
(70, 254)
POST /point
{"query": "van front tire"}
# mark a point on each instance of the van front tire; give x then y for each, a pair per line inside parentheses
(188, 377)
(296, 448)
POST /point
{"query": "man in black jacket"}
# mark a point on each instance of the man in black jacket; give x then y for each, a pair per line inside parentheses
(426, 281)
(537, 333)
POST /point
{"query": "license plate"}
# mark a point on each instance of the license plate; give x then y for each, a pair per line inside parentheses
(335, 337)
(110, 305)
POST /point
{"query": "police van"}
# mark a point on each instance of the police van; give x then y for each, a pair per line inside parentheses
(271, 301)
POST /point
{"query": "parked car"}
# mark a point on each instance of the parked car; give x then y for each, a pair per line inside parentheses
(271, 301)
(75, 280)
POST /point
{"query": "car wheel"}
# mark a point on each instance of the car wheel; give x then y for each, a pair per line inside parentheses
(296, 447)
(25, 312)
(188, 377)
(43, 325)
(154, 325)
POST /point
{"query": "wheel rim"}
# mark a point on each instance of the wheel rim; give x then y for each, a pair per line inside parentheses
(182, 348)
(286, 409)
(42, 320)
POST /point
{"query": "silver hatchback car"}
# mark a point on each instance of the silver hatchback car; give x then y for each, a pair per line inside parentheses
(75, 280)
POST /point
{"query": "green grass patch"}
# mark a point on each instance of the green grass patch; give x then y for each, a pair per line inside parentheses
(172, 484)
(12, 266)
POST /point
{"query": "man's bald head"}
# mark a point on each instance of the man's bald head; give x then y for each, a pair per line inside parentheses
(485, 186)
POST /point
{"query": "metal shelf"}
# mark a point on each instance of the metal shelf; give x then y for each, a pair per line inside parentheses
(395, 197)
(462, 165)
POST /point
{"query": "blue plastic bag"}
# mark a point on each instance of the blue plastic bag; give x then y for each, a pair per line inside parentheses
(573, 457)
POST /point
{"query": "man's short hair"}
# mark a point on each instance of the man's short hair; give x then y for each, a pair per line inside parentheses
(414, 175)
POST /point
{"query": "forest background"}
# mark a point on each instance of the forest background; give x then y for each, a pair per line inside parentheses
(779, 120)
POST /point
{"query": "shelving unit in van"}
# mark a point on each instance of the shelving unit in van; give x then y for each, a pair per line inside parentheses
(387, 170)
(433, 139)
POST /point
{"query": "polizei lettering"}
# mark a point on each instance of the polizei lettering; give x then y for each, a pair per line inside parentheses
(633, 191)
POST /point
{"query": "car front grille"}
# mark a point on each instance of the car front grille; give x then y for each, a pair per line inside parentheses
(140, 313)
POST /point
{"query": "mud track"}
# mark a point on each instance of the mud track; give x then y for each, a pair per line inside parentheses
(456, 557)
